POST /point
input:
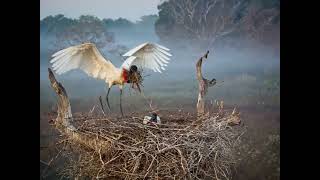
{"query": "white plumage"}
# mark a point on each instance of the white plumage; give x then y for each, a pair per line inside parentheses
(152, 56)
(88, 58)
(85, 57)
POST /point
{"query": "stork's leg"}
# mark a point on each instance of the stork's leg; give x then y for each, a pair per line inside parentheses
(102, 107)
(107, 98)
(120, 102)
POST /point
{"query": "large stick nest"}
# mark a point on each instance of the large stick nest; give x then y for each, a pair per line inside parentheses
(182, 147)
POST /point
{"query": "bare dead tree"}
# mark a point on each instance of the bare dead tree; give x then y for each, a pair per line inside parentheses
(209, 22)
(127, 149)
(64, 121)
(204, 84)
(64, 117)
(205, 20)
(259, 22)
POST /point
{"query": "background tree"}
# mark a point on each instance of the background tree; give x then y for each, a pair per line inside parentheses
(207, 21)
(85, 29)
(55, 24)
(118, 23)
(66, 32)
(148, 20)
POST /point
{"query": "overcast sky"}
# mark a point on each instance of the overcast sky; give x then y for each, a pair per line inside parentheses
(129, 9)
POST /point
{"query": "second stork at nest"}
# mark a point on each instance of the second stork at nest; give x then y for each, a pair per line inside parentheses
(88, 58)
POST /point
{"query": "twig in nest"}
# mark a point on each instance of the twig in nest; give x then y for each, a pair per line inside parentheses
(128, 149)
(136, 79)
(92, 109)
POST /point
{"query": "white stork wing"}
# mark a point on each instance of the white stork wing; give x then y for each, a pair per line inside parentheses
(147, 55)
(85, 57)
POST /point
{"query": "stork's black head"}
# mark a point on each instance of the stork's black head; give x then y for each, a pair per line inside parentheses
(154, 117)
(135, 77)
(133, 68)
(154, 114)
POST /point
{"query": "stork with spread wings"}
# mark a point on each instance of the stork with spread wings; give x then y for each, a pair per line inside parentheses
(88, 58)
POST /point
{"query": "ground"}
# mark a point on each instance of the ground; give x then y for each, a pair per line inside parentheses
(259, 150)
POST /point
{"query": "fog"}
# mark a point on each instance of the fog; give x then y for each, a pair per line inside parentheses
(245, 61)
(246, 65)
(244, 73)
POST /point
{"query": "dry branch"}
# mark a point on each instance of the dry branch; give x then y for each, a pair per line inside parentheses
(64, 108)
(111, 148)
(204, 84)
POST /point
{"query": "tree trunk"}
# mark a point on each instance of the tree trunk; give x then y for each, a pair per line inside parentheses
(64, 108)
(64, 120)
(204, 84)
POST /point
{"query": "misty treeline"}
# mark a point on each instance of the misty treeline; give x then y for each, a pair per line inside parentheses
(243, 37)
(220, 22)
(207, 23)
(61, 31)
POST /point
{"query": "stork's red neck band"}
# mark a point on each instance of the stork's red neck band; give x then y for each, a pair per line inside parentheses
(125, 74)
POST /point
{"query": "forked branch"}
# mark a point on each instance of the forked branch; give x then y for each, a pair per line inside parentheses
(64, 108)
(204, 84)
(127, 149)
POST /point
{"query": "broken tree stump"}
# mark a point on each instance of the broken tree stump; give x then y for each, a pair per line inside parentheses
(204, 84)
(64, 117)
(64, 120)
(106, 148)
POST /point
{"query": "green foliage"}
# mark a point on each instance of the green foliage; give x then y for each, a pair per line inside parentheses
(55, 24)
(67, 31)
(148, 20)
(120, 22)
(165, 22)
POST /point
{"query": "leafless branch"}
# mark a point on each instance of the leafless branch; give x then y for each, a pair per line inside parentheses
(105, 147)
